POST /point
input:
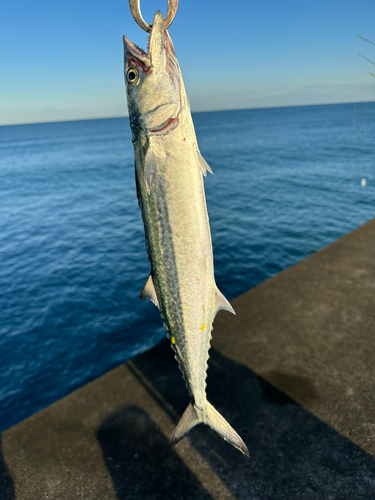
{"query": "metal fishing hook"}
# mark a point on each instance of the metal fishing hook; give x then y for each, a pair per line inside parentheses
(135, 9)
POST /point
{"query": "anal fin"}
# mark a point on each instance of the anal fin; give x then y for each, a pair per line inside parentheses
(148, 292)
(222, 303)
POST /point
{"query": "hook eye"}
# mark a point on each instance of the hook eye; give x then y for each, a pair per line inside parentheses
(135, 9)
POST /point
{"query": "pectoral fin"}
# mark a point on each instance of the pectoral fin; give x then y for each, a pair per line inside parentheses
(203, 165)
(148, 292)
(151, 169)
(222, 303)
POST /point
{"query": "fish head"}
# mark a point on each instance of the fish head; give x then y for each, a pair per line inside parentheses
(152, 82)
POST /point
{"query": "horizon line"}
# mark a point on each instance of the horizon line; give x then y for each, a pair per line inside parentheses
(192, 112)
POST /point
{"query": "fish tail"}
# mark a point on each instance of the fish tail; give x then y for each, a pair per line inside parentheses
(193, 416)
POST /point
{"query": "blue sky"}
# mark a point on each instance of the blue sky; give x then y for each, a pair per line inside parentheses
(64, 61)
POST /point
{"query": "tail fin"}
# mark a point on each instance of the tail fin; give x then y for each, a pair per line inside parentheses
(211, 417)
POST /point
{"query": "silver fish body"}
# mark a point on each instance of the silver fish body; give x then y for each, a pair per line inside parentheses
(169, 178)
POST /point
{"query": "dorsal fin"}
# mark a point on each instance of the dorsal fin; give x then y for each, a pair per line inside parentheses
(222, 303)
(203, 165)
(148, 292)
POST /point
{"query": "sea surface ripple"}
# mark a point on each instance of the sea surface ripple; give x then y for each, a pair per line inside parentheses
(287, 181)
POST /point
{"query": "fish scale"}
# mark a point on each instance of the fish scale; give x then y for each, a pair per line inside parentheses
(169, 178)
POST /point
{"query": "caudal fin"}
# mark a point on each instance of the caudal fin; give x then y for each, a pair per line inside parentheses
(211, 417)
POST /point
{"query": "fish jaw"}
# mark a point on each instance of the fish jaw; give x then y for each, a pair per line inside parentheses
(152, 82)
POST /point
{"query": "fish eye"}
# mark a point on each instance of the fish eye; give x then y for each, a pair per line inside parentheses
(132, 75)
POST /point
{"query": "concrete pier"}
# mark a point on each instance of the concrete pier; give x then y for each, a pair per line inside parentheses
(293, 372)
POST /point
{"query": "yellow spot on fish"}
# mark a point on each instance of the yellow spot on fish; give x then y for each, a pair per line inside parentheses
(173, 340)
(203, 327)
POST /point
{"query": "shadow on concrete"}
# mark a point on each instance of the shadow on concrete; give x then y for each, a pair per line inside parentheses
(293, 455)
(141, 462)
(300, 386)
(6, 483)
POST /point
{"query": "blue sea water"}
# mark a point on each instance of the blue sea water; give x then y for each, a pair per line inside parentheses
(287, 181)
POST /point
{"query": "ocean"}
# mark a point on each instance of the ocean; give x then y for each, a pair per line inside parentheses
(287, 182)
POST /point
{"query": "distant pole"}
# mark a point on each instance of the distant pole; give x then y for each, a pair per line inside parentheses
(365, 39)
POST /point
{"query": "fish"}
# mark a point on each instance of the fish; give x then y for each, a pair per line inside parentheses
(169, 171)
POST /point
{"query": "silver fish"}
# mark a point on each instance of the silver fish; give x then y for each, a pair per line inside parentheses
(169, 169)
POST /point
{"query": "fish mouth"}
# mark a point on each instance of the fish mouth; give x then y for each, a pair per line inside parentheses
(136, 55)
(141, 55)
(158, 62)
(134, 48)
(159, 41)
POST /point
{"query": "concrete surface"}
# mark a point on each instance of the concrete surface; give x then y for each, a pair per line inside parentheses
(293, 372)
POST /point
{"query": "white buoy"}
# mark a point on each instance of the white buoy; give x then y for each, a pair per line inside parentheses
(363, 182)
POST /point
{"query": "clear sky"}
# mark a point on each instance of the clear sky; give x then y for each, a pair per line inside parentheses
(63, 60)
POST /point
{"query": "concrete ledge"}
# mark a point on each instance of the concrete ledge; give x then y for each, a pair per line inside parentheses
(293, 372)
